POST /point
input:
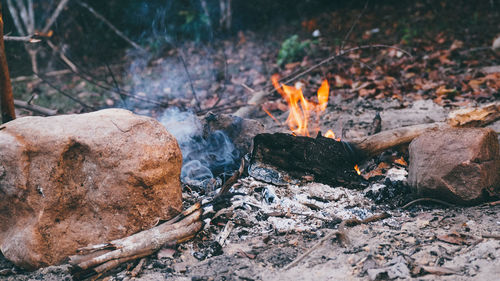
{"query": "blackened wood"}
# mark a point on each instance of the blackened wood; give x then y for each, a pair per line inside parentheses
(329, 161)
(6, 96)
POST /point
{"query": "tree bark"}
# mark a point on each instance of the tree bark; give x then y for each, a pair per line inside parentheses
(6, 96)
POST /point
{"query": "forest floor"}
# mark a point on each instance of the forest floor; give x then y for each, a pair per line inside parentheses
(434, 60)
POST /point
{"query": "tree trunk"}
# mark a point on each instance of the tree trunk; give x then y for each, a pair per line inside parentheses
(6, 96)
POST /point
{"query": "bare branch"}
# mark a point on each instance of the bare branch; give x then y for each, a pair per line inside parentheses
(23, 12)
(35, 108)
(27, 39)
(15, 17)
(31, 13)
(63, 57)
(54, 15)
(110, 25)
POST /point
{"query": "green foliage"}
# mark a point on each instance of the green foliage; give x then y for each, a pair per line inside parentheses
(292, 49)
(408, 34)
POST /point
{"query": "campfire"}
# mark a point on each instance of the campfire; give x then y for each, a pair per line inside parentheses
(304, 115)
(176, 153)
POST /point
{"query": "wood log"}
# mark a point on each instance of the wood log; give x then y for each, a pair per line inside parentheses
(98, 259)
(327, 160)
(331, 162)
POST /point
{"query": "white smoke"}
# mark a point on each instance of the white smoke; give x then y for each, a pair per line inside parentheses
(205, 157)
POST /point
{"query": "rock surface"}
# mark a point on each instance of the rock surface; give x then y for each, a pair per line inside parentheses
(460, 166)
(73, 180)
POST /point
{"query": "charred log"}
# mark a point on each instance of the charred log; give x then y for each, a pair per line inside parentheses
(327, 160)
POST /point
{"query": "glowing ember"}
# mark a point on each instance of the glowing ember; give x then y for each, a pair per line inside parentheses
(331, 134)
(357, 169)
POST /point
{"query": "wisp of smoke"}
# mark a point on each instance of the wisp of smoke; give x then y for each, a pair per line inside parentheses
(205, 158)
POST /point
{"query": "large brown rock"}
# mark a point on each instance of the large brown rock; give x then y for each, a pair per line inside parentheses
(457, 165)
(73, 180)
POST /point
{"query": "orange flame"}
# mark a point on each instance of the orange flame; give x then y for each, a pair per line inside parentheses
(301, 110)
(357, 169)
(331, 134)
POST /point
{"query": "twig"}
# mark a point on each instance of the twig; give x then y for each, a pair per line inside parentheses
(341, 53)
(15, 17)
(65, 94)
(28, 39)
(137, 270)
(54, 15)
(117, 86)
(343, 224)
(492, 236)
(181, 58)
(63, 57)
(47, 74)
(35, 108)
(108, 88)
(219, 108)
(138, 245)
(494, 203)
(353, 25)
(110, 25)
(406, 206)
(232, 180)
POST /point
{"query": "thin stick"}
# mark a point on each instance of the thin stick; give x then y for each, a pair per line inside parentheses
(108, 88)
(35, 108)
(27, 39)
(65, 94)
(232, 180)
(406, 206)
(110, 25)
(492, 236)
(137, 270)
(63, 57)
(31, 13)
(54, 15)
(15, 17)
(117, 86)
(353, 25)
(34, 77)
(181, 57)
(333, 57)
(494, 203)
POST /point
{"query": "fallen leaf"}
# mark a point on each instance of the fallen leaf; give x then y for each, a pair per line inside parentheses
(456, 238)
(443, 91)
(401, 161)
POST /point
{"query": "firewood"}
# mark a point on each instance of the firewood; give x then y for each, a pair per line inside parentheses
(470, 117)
(98, 259)
(331, 161)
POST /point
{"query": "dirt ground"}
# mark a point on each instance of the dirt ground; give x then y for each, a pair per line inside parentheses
(266, 227)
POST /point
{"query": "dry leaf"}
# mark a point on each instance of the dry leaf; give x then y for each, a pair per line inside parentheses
(401, 161)
(456, 238)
